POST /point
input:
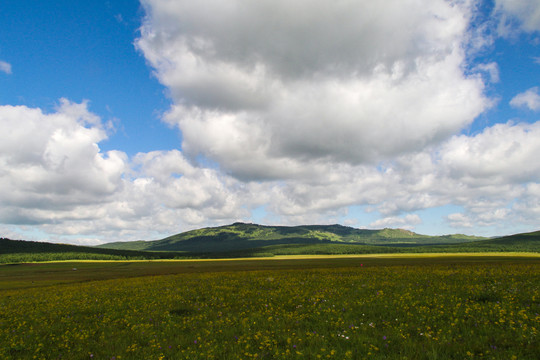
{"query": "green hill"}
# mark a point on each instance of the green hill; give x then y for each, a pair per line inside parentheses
(13, 251)
(247, 240)
(241, 236)
(518, 242)
(527, 242)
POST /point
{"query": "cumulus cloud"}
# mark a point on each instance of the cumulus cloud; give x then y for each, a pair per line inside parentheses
(529, 99)
(52, 160)
(270, 89)
(54, 177)
(179, 185)
(501, 154)
(492, 175)
(303, 108)
(5, 67)
(470, 219)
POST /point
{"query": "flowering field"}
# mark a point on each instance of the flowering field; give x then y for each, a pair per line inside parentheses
(416, 310)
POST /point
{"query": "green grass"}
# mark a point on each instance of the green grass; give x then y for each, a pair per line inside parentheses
(393, 307)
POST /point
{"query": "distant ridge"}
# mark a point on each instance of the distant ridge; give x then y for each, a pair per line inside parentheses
(240, 236)
(28, 251)
(251, 240)
(519, 242)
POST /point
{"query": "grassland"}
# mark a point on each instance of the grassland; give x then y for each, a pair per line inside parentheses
(356, 307)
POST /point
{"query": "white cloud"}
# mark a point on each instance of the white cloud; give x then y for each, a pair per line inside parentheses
(459, 220)
(55, 178)
(58, 181)
(527, 211)
(501, 154)
(526, 12)
(179, 185)
(496, 217)
(491, 175)
(492, 69)
(270, 89)
(52, 160)
(529, 99)
(5, 67)
(304, 109)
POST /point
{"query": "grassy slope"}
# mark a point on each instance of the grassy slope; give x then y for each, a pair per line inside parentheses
(240, 236)
(526, 242)
(26, 251)
(234, 243)
(518, 242)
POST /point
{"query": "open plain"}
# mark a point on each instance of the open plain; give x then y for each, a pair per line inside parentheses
(445, 306)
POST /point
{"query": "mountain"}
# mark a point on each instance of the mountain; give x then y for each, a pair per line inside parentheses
(249, 240)
(240, 236)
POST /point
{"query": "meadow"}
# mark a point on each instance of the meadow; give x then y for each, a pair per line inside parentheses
(437, 307)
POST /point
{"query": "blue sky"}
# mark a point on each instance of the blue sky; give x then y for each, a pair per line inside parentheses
(125, 120)
(84, 51)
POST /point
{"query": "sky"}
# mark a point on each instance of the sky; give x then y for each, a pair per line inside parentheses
(125, 120)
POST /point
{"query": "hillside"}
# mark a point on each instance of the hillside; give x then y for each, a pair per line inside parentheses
(27, 251)
(249, 240)
(518, 242)
(240, 236)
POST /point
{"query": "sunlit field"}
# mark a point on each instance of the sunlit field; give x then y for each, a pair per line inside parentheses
(360, 308)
